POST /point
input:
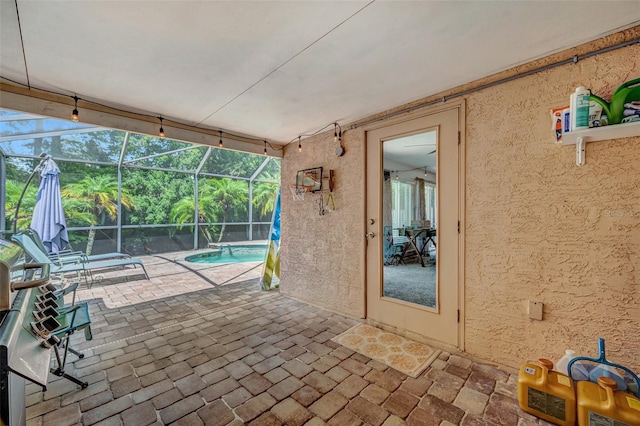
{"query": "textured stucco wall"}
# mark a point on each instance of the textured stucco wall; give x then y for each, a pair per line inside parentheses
(537, 227)
(322, 256)
(540, 228)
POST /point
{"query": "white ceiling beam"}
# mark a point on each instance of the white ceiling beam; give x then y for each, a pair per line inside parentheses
(112, 120)
(36, 135)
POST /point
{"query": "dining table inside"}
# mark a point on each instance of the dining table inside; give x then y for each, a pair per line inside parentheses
(416, 243)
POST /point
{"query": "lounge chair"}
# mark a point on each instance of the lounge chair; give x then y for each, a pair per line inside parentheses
(40, 256)
(69, 256)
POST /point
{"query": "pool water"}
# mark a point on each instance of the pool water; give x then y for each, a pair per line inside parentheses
(231, 254)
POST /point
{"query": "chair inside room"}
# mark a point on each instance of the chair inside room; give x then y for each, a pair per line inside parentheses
(394, 245)
(410, 250)
(416, 247)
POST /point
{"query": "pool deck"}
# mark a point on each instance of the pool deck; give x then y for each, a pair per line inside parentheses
(202, 344)
(170, 274)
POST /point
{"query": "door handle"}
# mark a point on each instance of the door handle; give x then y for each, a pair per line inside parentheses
(370, 235)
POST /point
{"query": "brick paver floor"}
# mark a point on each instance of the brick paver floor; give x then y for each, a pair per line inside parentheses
(204, 345)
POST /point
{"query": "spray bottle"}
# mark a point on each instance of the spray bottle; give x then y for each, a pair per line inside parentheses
(579, 108)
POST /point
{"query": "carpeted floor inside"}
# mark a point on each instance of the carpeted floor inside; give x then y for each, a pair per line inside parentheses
(411, 283)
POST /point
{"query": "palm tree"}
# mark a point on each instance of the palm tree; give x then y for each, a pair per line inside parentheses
(75, 211)
(183, 211)
(229, 197)
(264, 197)
(219, 200)
(264, 201)
(97, 195)
(12, 194)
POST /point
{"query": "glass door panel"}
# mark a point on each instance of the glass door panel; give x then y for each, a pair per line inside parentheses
(409, 188)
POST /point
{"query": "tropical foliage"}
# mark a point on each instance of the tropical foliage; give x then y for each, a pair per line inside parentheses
(264, 197)
(161, 196)
(229, 198)
(97, 195)
(183, 212)
(12, 195)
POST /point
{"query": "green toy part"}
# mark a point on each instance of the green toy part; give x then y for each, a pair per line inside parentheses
(627, 93)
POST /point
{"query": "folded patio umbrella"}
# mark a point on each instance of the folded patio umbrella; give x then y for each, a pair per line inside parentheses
(48, 215)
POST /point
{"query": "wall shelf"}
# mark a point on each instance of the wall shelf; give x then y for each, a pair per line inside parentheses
(579, 138)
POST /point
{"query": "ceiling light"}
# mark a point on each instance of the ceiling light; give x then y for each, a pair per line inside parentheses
(335, 132)
(220, 143)
(265, 147)
(161, 132)
(299, 145)
(74, 113)
(425, 171)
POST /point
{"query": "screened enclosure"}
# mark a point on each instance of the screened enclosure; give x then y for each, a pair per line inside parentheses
(136, 193)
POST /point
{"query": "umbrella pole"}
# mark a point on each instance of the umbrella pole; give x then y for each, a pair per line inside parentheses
(44, 157)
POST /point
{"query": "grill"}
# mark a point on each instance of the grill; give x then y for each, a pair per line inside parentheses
(24, 330)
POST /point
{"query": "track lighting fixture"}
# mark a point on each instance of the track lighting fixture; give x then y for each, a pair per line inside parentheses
(161, 132)
(220, 142)
(299, 145)
(74, 113)
(265, 147)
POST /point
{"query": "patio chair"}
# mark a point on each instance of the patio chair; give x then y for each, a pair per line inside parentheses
(40, 256)
(71, 319)
(62, 321)
(70, 256)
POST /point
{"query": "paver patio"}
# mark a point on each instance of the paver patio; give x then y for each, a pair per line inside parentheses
(204, 345)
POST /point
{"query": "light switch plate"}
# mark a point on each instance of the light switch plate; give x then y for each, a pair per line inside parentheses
(535, 310)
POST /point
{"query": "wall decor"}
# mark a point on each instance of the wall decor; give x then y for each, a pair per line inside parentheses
(310, 179)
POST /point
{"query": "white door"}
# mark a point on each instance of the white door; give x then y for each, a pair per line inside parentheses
(412, 265)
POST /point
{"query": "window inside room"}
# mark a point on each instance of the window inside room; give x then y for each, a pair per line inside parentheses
(401, 203)
(430, 203)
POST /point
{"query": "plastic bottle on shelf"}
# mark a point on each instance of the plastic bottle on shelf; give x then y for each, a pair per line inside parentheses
(563, 363)
(579, 108)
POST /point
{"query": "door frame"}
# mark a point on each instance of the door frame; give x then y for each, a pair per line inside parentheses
(460, 105)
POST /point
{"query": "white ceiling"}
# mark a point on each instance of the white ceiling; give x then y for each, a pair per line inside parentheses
(277, 69)
(409, 153)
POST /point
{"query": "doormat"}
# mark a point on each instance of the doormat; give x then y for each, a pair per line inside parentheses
(406, 356)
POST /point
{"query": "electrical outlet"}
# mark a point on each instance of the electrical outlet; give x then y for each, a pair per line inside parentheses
(535, 310)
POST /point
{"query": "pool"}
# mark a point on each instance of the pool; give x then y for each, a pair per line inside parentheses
(231, 254)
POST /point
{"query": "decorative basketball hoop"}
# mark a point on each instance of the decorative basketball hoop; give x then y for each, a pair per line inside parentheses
(297, 192)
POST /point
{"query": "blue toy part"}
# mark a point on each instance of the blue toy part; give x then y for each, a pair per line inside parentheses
(578, 370)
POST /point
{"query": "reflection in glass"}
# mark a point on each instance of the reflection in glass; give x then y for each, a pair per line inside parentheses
(409, 205)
